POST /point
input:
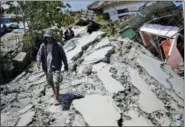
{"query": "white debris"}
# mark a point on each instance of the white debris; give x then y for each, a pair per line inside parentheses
(97, 55)
(98, 66)
(148, 101)
(111, 84)
(152, 66)
(26, 118)
(118, 91)
(35, 77)
(105, 41)
(78, 82)
(139, 121)
(85, 40)
(133, 114)
(26, 109)
(97, 110)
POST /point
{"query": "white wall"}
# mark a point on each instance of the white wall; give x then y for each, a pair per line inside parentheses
(131, 6)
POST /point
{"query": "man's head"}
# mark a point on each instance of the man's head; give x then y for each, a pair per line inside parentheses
(49, 36)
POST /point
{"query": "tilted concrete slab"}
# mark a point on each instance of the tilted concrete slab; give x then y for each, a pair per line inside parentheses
(148, 101)
(84, 41)
(97, 110)
(139, 121)
(111, 84)
(97, 55)
(152, 66)
(105, 41)
(26, 118)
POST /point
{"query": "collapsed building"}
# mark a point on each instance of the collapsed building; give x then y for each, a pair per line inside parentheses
(150, 23)
(112, 82)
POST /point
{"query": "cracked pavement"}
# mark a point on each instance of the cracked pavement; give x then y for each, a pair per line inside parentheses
(112, 82)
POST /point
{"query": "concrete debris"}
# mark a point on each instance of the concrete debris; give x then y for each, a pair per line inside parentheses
(94, 110)
(82, 43)
(26, 109)
(112, 85)
(85, 70)
(98, 55)
(139, 121)
(163, 76)
(104, 42)
(115, 82)
(146, 95)
(98, 66)
(26, 119)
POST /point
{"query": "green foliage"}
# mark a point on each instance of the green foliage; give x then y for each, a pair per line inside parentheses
(40, 15)
(28, 44)
(110, 28)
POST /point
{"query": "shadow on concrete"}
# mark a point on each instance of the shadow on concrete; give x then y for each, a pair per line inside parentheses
(66, 100)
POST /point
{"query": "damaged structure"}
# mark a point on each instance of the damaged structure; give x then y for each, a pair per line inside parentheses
(166, 43)
(112, 81)
(116, 73)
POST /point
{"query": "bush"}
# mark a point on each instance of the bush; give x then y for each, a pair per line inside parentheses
(29, 43)
(110, 28)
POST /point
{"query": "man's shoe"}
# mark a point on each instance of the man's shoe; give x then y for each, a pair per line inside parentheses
(57, 102)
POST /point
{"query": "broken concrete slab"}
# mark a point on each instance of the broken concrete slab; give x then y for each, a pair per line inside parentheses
(111, 84)
(104, 42)
(97, 110)
(26, 118)
(98, 55)
(98, 66)
(152, 66)
(162, 118)
(84, 41)
(26, 109)
(35, 76)
(78, 48)
(20, 57)
(39, 81)
(78, 82)
(25, 101)
(132, 113)
(60, 118)
(176, 81)
(139, 121)
(10, 41)
(8, 119)
(148, 101)
(78, 121)
(54, 109)
(4, 117)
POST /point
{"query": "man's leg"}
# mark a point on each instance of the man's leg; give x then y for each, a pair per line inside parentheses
(56, 81)
(49, 78)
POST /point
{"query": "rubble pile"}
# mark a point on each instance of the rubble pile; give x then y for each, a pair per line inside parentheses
(113, 82)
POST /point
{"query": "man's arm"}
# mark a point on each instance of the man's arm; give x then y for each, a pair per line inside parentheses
(64, 58)
(39, 55)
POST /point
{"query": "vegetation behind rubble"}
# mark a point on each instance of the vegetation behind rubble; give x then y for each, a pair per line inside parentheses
(40, 15)
(108, 27)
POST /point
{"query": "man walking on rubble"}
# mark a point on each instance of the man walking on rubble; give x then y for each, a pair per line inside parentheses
(51, 55)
